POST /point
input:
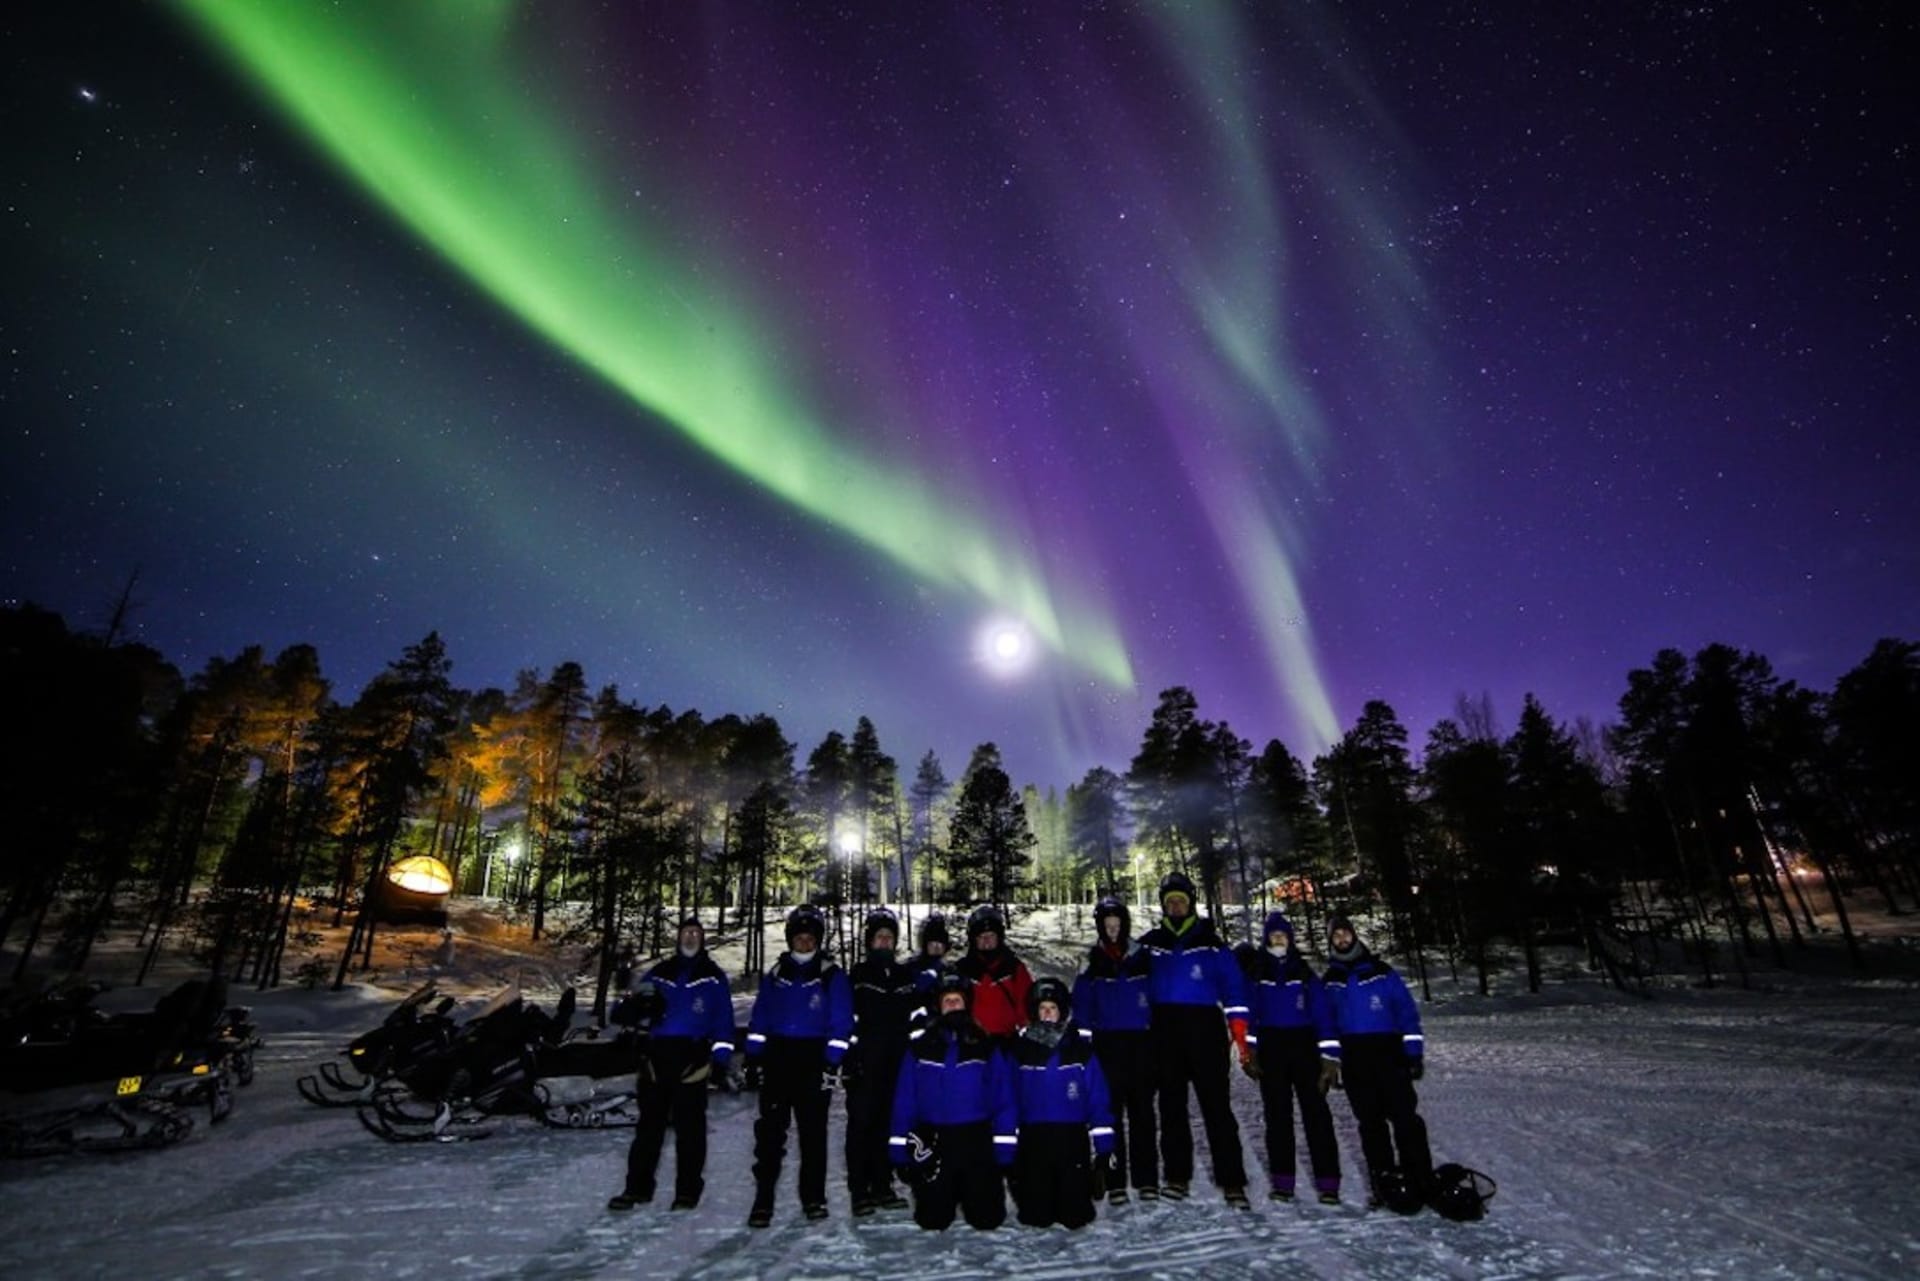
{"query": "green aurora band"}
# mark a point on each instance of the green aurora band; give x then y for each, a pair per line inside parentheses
(415, 101)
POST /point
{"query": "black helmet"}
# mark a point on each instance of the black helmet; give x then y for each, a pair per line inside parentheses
(1112, 906)
(1178, 883)
(1459, 1193)
(806, 919)
(934, 929)
(1049, 989)
(1396, 1190)
(949, 982)
(880, 918)
(983, 918)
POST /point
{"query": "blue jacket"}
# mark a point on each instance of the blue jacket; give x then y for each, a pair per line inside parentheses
(1365, 997)
(1286, 996)
(699, 1004)
(803, 1002)
(1193, 967)
(1111, 994)
(953, 1078)
(1063, 1084)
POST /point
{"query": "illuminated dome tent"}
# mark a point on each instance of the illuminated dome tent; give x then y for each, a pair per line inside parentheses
(416, 890)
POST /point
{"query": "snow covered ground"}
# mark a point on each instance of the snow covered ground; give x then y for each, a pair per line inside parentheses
(1720, 1133)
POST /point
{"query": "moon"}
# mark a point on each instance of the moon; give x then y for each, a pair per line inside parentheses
(1005, 648)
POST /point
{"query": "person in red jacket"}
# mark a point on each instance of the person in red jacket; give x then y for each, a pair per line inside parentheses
(1000, 979)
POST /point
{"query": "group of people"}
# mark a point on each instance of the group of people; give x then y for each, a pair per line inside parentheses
(967, 1078)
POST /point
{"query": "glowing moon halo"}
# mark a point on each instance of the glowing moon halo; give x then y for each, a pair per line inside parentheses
(1005, 648)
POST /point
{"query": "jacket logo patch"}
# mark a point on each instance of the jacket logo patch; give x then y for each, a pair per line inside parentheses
(1374, 1002)
(1073, 1089)
(1198, 973)
(699, 1005)
(813, 1001)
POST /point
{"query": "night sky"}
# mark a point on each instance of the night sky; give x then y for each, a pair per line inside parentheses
(983, 369)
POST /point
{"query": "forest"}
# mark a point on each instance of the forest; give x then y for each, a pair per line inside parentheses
(229, 811)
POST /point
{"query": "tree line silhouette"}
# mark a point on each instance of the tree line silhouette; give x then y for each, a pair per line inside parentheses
(233, 810)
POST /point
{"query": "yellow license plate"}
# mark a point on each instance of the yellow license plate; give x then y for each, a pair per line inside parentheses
(129, 1085)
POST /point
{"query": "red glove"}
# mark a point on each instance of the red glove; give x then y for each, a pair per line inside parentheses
(1239, 1029)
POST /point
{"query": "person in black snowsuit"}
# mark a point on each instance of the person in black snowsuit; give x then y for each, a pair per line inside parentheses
(802, 1022)
(1198, 1003)
(886, 996)
(1061, 1095)
(1289, 1021)
(955, 1122)
(1377, 1049)
(692, 1034)
(1111, 1000)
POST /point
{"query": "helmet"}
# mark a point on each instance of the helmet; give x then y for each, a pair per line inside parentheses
(1049, 989)
(1112, 906)
(640, 1007)
(934, 929)
(950, 982)
(1395, 1190)
(878, 919)
(1177, 883)
(1459, 1193)
(1276, 920)
(983, 918)
(806, 919)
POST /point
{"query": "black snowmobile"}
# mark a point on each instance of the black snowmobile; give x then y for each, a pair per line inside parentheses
(415, 1029)
(510, 1059)
(83, 1080)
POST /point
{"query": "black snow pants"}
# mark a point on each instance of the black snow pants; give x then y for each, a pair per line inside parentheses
(1053, 1175)
(1289, 1060)
(1190, 1048)
(969, 1181)
(665, 1100)
(1374, 1070)
(791, 1093)
(869, 1115)
(1126, 1059)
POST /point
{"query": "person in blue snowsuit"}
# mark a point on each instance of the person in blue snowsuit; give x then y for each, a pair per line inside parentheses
(802, 1022)
(955, 1123)
(1061, 1095)
(886, 996)
(1290, 1018)
(1198, 999)
(1111, 999)
(692, 1034)
(1374, 1041)
(931, 965)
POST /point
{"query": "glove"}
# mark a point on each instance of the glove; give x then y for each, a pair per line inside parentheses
(1098, 1179)
(1416, 1067)
(1329, 1075)
(751, 1080)
(1250, 1063)
(726, 1078)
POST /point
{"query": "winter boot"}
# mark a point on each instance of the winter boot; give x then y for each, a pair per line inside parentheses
(1328, 1186)
(1117, 1196)
(685, 1203)
(1173, 1191)
(815, 1213)
(761, 1216)
(890, 1199)
(864, 1206)
(1281, 1188)
(627, 1200)
(1148, 1192)
(1237, 1198)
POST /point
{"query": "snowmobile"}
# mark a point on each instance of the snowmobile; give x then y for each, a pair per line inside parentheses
(103, 1082)
(415, 1029)
(510, 1059)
